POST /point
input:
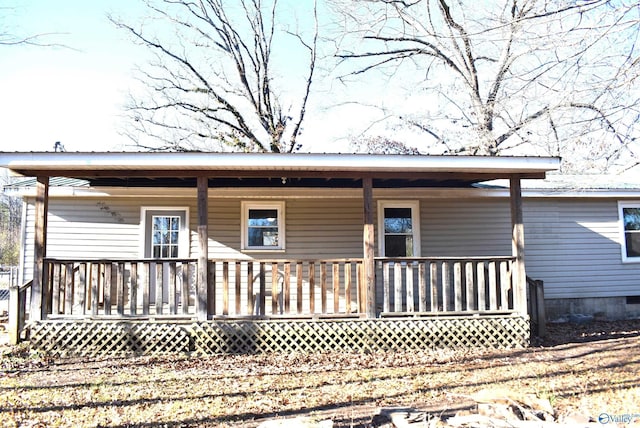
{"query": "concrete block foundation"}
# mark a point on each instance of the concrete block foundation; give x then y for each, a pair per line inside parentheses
(603, 308)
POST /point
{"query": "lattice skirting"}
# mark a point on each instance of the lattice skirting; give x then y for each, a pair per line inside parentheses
(92, 338)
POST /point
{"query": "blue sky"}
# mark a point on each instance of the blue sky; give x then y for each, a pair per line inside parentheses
(76, 95)
(70, 95)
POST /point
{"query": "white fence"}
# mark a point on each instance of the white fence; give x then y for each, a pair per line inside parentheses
(8, 278)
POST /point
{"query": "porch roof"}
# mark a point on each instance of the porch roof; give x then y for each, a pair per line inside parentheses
(111, 167)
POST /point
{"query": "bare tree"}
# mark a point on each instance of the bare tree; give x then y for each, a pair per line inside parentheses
(10, 220)
(224, 74)
(10, 37)
(383, 145)
(516, 76)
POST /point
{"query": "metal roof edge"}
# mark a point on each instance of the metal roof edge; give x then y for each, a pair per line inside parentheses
(161, 161)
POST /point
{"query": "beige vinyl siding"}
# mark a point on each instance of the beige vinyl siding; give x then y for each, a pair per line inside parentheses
(224, 229)
(467, 227)
(329, 228)
(573, 245)
(90, 228)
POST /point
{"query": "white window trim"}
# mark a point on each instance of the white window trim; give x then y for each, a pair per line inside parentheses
(183, 244)
(248, 205)
(623, 241)
(415, 222)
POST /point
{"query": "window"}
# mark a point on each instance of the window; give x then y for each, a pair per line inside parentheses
(399, 228)
(165, 233)
(263, 226)
(630, 219)
(164, 236)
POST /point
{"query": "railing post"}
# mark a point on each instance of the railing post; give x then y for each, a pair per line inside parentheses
(202, 296)
(536, 306)
(541, 311)
(17, 307)
(517, 239)
(38, 290)
(369, 248)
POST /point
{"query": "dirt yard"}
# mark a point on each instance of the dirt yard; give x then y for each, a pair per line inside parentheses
(584, 371)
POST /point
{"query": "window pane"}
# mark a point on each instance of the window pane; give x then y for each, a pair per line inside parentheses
(263, 218)
(174, 251)
(633, 244)
(397, 220)
(263, 237)
(175, 223)
(270, 238)
(631, 218)
(255, 237)
(398, 245)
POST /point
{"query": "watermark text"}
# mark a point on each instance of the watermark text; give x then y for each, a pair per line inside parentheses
(622, 418)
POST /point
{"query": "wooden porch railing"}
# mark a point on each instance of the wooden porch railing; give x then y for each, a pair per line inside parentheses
(17, 310)
(436, 285)
(536, 307)
(286, 287)
(123, 287)
(151, 288)
(167, 287)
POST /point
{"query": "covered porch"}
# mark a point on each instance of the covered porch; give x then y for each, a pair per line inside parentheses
(258, 302)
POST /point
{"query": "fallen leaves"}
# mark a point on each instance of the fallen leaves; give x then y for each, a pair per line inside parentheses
(589, 373)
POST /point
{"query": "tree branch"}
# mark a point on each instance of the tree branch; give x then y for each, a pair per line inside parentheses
(216, 73)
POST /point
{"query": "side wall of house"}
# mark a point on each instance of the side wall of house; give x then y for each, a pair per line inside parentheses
(574, 246)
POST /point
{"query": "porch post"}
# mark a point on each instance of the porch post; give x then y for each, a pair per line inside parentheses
(369, 286)
(517, 239)
(38, 293)
(202, 301)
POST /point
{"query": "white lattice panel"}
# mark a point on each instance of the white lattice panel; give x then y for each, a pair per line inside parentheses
(91, 338)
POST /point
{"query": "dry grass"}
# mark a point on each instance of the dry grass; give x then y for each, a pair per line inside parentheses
(588, 370)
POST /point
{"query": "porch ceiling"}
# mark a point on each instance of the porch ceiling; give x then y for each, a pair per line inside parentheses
(269, 169)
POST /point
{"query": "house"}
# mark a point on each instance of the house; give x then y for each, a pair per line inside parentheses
(237, 252)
